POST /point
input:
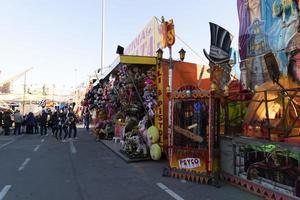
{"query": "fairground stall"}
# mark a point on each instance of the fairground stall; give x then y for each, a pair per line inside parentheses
(260, 151)
(132, 100)
(194, 138)
(125, 99)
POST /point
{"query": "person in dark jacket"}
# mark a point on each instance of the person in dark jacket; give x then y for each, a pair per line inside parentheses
(43, 123)
(30, 122)
(37, 124)
(1, 118)
(62, 125)
(7, 122)
(71, 118)
(54, 123)
(87, 118)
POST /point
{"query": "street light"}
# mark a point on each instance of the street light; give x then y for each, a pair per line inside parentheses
(159, 54)
(182, 54)
(120, 50)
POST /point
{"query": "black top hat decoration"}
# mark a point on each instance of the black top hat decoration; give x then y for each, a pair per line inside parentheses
(219, 45)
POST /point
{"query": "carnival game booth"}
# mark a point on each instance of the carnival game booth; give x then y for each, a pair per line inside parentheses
(264, 157)
(132, 96)
(125, 100)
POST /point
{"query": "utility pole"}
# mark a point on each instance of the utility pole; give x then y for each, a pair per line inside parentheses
(24, 93)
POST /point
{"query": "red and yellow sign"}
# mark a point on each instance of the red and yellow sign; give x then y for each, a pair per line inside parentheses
(159, 112)
(168, 34)
(195, 161)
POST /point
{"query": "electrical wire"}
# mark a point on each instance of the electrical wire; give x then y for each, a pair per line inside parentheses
(195, 52)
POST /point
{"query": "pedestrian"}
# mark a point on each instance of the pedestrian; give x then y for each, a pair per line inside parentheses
(62, 126)
(54, 123)
(30, 123)
(18, 119)
(87, 118)
(37, 124)
(72, 119)
(7, 122)
(49, 119)
(43, 123)
(1, 118)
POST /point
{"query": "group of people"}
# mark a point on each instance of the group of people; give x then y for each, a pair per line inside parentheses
(59, 121)
(64, 121)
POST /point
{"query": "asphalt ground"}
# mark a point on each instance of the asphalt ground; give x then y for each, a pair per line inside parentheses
(38, 167)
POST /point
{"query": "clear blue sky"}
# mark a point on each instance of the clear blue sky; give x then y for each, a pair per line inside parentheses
(57, 36)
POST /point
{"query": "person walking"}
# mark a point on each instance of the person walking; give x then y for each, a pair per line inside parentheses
(30, 122)
(72, 119)
(18, 118)
(43, 123)
(62, 124)
(7, 123)
(54, 123)
(1, 118)
(37, 124)
(87, 118)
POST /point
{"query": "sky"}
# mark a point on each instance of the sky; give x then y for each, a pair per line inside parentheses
(61, 39)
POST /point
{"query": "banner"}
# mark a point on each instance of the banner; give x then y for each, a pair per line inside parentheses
(147, 42)
(168, 34)
(265, 25)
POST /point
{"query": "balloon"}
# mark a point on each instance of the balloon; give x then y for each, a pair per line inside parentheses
(155, 152)
(153, 134)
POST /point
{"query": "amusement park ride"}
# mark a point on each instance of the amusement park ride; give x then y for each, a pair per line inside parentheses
(5, 87)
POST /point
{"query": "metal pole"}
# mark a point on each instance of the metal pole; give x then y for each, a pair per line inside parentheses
(267, 114)
(210, 131)
(24, 92)
(170, 86)
(102, 36)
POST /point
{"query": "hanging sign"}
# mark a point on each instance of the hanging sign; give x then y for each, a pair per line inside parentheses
(168, 34)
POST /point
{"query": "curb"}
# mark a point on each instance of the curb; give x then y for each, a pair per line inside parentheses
(122, 156)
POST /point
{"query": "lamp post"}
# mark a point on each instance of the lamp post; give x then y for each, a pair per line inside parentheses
(182, 54)
(159, 54)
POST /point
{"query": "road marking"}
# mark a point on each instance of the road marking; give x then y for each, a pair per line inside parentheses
(72, 147)
(24, 164)
(43, 140)
(4, 191)
(7, 143)
(170, 192)
(37, 147)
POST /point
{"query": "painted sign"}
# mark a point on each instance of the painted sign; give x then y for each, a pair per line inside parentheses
(159, 119)
(168, 34)
(147, 42)
(189, 163)
(265, 26)
(189, 159)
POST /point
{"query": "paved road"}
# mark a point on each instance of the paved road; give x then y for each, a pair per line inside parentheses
(41, 168)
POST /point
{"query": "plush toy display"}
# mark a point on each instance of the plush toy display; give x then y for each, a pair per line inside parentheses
(155, 152)
(153, 134)
(129, 95)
